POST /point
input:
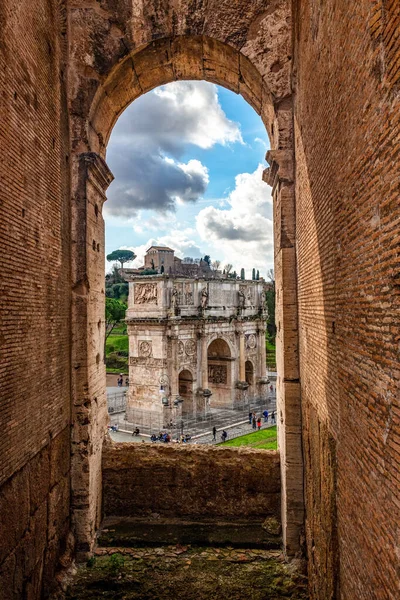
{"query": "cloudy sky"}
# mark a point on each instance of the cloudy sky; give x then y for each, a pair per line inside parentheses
(187, 160)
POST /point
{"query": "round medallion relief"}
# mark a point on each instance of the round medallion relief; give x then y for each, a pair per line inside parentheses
(190, 347)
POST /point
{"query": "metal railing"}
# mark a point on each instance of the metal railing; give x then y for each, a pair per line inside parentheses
(150, 422)
(116, 402)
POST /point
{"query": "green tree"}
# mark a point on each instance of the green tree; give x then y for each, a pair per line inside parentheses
(228, 268)
(258, 275)
(122, 256)
(207, 259)
(242, 275)
(253, 274)
(115, 313)
(149, 272)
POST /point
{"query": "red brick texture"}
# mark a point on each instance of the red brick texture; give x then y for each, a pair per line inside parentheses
(347, 121)
(190, 481)
(35, 294)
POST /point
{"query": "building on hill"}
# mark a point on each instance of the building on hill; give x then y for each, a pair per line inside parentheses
(160, 256)
(163, 260)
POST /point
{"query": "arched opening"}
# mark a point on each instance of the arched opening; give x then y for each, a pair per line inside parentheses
(186, 392)
(219, 373)
(249, 372)
(95, 111)
(181, 58)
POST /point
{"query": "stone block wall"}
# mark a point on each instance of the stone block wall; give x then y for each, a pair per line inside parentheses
(347, 118)
(190, 481)
(35, 296)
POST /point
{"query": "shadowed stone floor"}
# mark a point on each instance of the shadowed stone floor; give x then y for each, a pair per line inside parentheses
(188, 573)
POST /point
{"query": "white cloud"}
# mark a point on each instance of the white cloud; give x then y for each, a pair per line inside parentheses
(262, 142)
(149, 139)
(243, 233)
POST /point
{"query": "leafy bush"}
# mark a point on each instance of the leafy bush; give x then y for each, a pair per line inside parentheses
(117, 562)
(149, 272)
(116, 362)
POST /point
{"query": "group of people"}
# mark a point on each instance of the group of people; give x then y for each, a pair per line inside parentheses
(120, 380)
(255, 421)
(224, 434)
(165, 437)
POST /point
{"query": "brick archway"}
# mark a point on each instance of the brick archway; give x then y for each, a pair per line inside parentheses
(113, 62)
(175, 59)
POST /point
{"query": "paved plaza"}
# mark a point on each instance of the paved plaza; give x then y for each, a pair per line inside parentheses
(234, 428)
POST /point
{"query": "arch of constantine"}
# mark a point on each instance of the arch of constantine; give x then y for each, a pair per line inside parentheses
(325, 79)
(201, 341)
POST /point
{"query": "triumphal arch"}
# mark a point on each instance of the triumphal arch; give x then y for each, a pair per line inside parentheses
(194, 343)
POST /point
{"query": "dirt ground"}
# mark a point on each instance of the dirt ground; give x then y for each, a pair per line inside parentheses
(183, 572)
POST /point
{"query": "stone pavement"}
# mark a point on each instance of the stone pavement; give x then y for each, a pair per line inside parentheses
(240, 428)
(190, 573)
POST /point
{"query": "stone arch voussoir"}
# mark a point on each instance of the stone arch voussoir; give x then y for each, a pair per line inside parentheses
(174, 59)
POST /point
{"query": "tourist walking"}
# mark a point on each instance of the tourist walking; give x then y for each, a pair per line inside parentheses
(265, 413)
(214, 434)
(250, 417)
(254, 422)
(273, 417)
(259, 423)
(224, 435)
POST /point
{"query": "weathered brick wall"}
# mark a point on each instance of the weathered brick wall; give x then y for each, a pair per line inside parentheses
(347, 117)
(35, 296)
(194, 481)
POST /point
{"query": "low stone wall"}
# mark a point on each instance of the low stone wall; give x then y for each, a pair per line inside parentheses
(190, 481)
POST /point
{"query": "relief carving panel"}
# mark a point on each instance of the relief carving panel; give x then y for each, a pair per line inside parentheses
(146, 293)
(145, 348)
(149, 362)
(190, 347)
(188, 294)
(217, 374)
